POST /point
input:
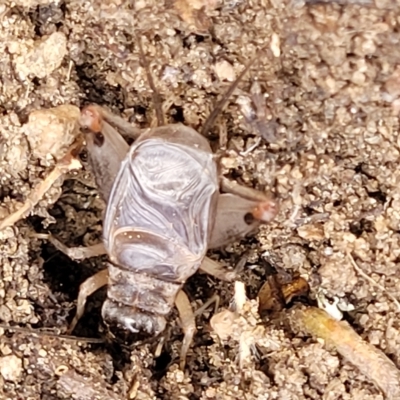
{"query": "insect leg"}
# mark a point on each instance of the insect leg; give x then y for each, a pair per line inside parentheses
(237, 215)
(188, 322)
(217, 270)
(119, 125)
(232, 187)
(74, 253)
(86, 289)
(215, 299)
(106, 147)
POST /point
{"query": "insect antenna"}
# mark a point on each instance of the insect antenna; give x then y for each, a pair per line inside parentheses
(221, 103)
(155, 94)
(42, 333)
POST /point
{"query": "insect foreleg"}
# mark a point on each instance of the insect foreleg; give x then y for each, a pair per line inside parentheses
(123, 127)
(74, 253)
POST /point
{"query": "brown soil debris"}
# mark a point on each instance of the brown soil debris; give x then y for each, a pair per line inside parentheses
(315, 121)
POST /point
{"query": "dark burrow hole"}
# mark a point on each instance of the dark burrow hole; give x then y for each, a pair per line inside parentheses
(44, 16)
(64, 277)
(192, 40)
(359, 227)
(96, 89)
(262, 364)
(198, 287)
(378, 195)
(176, 113)
(161, 364)
(362, 169)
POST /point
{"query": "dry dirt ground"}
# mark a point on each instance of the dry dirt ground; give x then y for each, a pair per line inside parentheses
(315, 121)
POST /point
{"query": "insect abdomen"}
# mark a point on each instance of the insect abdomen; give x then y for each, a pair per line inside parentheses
(138, 302)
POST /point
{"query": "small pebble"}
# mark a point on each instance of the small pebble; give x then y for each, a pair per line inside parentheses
(11, 368)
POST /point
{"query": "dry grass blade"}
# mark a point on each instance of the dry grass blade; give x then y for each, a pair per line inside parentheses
(68, 163)
(340, 336)
(79, 387)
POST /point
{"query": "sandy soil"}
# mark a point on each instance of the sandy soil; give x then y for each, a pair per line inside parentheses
(324, 138)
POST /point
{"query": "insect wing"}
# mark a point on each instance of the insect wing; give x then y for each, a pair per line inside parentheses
(162, 208)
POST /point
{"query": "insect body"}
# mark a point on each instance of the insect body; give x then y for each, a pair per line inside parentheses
(157, 225)
(164, 210)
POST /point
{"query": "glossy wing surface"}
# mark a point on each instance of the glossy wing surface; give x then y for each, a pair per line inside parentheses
(162, 206)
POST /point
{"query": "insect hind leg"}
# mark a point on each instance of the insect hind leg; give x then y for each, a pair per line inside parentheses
(86, 289)
(239, 213)
(188, 323)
